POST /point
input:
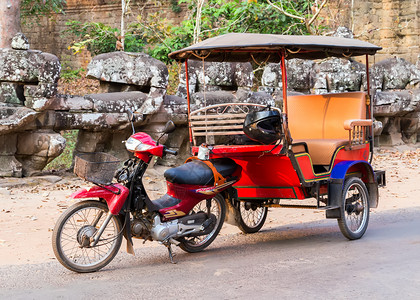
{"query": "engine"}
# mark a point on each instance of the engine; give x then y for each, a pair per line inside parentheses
(192, 225)
(140, 228)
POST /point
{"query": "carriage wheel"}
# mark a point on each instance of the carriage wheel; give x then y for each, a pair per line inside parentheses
(251, 218)
(355, 209)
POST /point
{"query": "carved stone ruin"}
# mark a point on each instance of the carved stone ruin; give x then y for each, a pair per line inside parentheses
(32, 114)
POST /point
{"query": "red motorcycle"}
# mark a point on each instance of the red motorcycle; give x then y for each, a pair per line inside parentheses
(88, 234)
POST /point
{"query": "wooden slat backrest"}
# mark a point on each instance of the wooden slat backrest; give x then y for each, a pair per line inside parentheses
(221, 119)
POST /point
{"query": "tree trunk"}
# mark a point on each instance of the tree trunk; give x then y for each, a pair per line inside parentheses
(9, 21)
(123, 11)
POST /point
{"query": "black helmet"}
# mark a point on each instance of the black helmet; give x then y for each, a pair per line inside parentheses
(263, 126)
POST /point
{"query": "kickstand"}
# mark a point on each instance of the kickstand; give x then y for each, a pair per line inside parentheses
(171, 254)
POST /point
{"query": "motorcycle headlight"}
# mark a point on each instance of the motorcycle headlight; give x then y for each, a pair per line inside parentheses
(134, 145)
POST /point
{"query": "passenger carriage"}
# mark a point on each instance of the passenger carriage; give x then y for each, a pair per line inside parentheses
(323, 148)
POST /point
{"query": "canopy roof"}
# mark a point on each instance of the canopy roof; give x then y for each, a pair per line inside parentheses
(242, 47)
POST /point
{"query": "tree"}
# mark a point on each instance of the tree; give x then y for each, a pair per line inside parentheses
(35, 9)
(205, 18)
(214, 17)
(12, 12)
(306, 16)
(9, 21)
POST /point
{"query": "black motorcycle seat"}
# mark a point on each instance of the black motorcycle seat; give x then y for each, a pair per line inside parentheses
(196, 172)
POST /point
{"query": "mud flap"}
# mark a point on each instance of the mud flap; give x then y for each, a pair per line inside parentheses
(127, 234)
(232, 207)
(335, 189)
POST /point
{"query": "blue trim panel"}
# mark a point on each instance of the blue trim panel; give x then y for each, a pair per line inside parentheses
(339, 171)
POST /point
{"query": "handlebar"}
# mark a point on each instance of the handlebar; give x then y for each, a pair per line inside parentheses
(169, 151)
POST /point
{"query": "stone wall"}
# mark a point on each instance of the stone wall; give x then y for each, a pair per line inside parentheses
(50, 39)
(392, 24)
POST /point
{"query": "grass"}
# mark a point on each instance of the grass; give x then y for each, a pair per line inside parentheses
(65, 160)
(68, 74)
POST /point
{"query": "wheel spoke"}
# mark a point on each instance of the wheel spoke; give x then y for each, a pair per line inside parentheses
(355, 212)
(215, 210)
(72, 241)
(252, 217)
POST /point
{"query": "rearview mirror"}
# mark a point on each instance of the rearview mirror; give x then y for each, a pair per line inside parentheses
(169, 127)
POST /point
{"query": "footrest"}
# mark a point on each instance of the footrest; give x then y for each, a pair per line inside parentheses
(328, 207)
(380, 177)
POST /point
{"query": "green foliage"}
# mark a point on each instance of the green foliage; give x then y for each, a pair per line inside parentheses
(175, 6)
(39, 8)
(96, 37)
(173, 69)
(217, 17)
(161, 36)
(64, 161)
(157, 36)
(100, 38)
(68, 74)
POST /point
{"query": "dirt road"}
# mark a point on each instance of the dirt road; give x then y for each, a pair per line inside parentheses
(298, 253)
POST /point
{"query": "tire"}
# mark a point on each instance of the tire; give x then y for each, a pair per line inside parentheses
(199, 243)
(355, 209)
(71, 230)
(251, 219)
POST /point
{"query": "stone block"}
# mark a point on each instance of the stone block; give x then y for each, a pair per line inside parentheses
(217, 76)
(14, 118)
(10, 166)
(28, 66)
(394, 73)
(39, 104)
(32, 165)
(11, 92)
(41, 143)
(36, 149)
(377, 128)
(202, 99)
(409, 129)
(20, 42)
(178, 141)
(8, 143)
(90, 141)
(337, 75)
(175, 107)
(396, 103)
(41, 90)
(129, 68)
(300, 75)
(112, 87)
(90, 121)
(116, 102)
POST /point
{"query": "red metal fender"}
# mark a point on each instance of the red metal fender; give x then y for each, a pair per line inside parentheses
(115, 202)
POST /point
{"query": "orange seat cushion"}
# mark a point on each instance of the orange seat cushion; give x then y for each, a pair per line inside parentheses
(318, 120)
(322, 150)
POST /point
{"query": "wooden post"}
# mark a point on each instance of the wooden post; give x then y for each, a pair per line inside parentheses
(284, 80)
(284, 86)
(369, 110)
(188, 99)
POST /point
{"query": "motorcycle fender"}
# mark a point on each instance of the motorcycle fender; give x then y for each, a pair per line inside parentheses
(114, 201)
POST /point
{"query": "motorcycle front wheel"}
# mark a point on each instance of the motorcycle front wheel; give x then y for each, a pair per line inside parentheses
(199, 243)
(72, 234)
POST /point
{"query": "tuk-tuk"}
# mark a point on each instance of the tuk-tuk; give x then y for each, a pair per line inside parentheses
(318, 147)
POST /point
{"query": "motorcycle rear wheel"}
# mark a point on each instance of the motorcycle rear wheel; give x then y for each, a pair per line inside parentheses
(72, 232)
(199, 243)
(251, 219)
